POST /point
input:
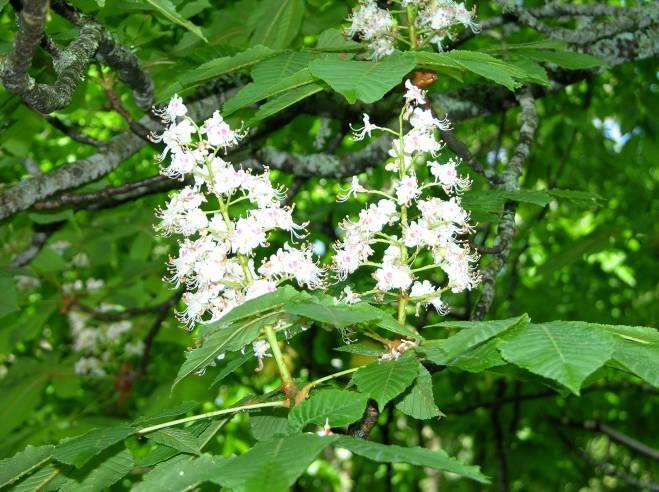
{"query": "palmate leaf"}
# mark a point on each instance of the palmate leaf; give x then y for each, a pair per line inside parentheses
(227, 339)
(432, 458)
(48, 477)
(419, 403)
(565, 351)
(637, 349)
(180, 473)
(337, 407)
(217, 67)
(367, 81)
(268, 426)
(104, 473)
(11, 469)
(325, 309)
(283, 101)
(385, 380)
(237, 328)
(472, 333)
(77, 451)
(290, 456)
(168, 10)
(255, 92)
(179, 439)
(277, 22)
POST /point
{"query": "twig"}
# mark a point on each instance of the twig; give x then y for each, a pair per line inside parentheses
(614, 435)
(39, 238)
(464, 153)
(136, 127)
(132, 312)
(72, 133)
(153, 332)
(606, 468)
(112, 195)
(363, 428)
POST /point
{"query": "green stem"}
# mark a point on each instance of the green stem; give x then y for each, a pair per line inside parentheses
(411, 19)
(315, 383)
(279, 358)
(208, 415)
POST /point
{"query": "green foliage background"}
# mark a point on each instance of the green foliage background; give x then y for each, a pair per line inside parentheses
(587, 254)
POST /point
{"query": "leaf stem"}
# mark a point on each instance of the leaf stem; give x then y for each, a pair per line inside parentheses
(224, 411)
(286, 379)
(315, 383)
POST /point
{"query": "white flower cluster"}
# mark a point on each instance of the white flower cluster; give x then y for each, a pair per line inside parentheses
(433, 20)
(96, 342)
(437, 17)
(407, 222)
(375, 26)
(215, 258)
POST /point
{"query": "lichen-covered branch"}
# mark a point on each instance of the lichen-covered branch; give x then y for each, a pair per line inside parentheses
(114, 55)
(326, 165)
(509, 182)
(69, 67)
(28, 192)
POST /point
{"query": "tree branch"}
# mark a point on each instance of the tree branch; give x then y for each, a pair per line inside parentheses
(132, 312)
(510, 182)
(363, 428)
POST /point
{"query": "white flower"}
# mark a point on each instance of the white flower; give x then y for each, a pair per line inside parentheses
(349, 297)
(428, 294)
(218, 132)
(176, 108)
(407, 190)
(354, 188)
(360, 133)
(260, 348)
(447, 175)
(420, 141)
(414, 94)
(393, 276)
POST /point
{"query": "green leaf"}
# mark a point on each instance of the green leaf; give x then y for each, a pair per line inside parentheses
(367, 81)
(385, 380)
(77, 451)
(253, 308)
(220, 66)
(168, 10)
(290, 455)
(48, 477)
(266, 427)
(11, 469)
(325, 309)
(565, 59)
(473, 333)
(226, 339)
(480, 358)
(432, 458)
(255, 92)
(279, 103)
(564, 351)
(21, 393)
(179, 439)
(104, 474)
(419, 403)
(277, 22)
(167, 414)
(180, 473)
(361, 349)
(489, 67)
(50, 218)
(231, 366)
(333, 40)
(8, 299)
(337, 407)
(389, 323)
(272, 70)
(637, 349)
